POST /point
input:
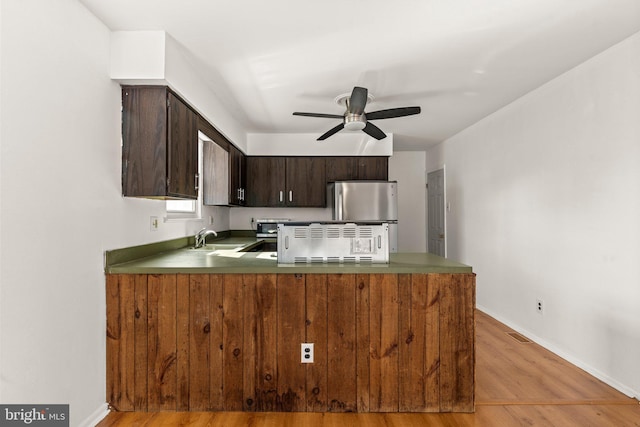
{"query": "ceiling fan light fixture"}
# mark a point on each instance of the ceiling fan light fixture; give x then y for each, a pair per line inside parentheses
(354, 122)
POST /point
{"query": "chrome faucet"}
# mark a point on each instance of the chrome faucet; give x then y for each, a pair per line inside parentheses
(201, 237)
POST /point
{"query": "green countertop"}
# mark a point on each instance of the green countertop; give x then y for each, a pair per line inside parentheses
(178, 257)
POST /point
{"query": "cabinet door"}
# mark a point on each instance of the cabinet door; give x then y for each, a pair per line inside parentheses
(182, 146)
(265, 181)
(341, 168)
(306, 184)
(373, 168)
(144, 142)
(215, 168)
(242, 178)
(237, 174)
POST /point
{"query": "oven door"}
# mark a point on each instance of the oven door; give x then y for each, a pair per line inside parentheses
(267, 229)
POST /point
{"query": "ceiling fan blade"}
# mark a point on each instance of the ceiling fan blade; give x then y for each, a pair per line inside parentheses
(327, 116)
(331, 132)
(393, 112)
(358, 100)
(374, 131)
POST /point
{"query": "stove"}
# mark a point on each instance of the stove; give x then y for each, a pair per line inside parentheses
(268, 227)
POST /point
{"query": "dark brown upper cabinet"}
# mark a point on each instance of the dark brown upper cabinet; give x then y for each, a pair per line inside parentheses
(265, 181)
(237, 177)
(376, 168)
(306, 182)
(357, 168)
(286, 181)
(159, 144)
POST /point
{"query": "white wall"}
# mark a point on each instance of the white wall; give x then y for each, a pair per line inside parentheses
(61, 205)
(408, 168)
(545, 201)
(344, 143)
(240, 218)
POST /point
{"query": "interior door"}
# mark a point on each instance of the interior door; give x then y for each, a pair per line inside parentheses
(435, 213)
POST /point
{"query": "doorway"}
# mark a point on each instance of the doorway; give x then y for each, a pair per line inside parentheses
(436, 236)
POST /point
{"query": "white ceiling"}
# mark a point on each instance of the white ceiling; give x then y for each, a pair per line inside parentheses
(460, 60)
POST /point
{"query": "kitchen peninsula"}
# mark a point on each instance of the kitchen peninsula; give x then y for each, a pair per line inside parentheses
(221, 329)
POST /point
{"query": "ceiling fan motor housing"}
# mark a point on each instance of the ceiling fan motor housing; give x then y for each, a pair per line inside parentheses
(354, 121)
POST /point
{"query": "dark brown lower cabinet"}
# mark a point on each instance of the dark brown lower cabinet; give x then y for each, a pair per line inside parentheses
(231, 342)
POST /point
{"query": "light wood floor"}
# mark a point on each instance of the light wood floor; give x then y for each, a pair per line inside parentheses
(517, 384)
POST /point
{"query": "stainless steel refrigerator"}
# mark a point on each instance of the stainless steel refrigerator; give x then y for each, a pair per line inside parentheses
(367, 201)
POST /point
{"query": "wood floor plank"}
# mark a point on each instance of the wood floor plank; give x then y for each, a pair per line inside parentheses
(510, 415)
(511, 371)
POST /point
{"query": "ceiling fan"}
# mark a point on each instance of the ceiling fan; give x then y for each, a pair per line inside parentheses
(354, 118)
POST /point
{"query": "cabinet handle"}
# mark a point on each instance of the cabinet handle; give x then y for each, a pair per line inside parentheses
(242, 194)
(281, 195)
(197, 182)
(290, 195)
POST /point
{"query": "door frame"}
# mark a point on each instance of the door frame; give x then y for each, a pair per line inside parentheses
(444, 205)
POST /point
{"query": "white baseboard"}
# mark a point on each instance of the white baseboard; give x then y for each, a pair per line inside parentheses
(569, 358)
(96, 416)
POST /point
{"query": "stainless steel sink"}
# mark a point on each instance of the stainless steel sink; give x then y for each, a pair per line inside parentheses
(218, 246)
(262, 247)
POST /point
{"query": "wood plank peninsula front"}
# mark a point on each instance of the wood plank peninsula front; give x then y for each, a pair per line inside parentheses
(231, 342)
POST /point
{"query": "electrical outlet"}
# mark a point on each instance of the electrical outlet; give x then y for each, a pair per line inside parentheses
(153, 223)
(540, 306)
(210, 219)
(306, 352)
